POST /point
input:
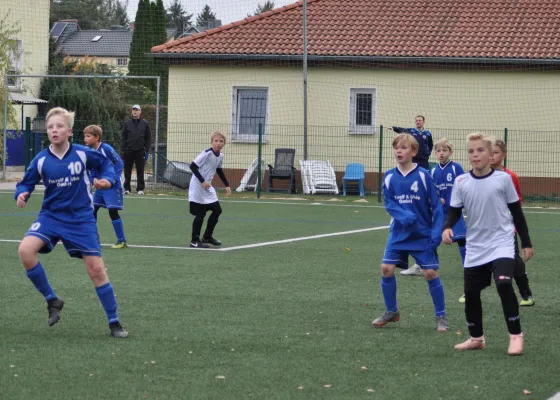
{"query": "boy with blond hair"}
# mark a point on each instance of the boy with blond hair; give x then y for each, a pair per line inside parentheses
(491, 202)
(444, 175)
(67, 214)
(497, 158)
(202, 195)
(417, 219)
(112, 198)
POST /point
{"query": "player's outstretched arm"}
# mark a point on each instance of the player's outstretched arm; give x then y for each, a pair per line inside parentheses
(222, 176)
(27, 184)
(453, 216)
(21, 201)
(522, 229)
(437, 212)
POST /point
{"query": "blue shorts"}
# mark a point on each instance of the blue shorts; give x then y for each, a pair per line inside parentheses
(425, 258)
(109, 198)
(79, 240)
(460, 229)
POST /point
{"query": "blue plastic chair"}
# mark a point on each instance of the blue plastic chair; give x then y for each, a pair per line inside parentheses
(354, 173)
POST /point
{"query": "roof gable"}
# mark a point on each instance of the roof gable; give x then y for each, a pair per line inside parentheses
(500, 29)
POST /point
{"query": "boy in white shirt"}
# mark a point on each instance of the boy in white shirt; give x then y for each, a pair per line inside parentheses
(202, 196)
(488, 196)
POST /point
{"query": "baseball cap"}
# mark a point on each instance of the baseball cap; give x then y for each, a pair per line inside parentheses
(136, 107)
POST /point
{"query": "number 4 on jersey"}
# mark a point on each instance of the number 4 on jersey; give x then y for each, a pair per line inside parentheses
(414, 187)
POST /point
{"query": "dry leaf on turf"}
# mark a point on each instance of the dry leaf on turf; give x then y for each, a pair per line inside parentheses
(371, 390)
(347, 249)
(328, 385)
(220, 377)
(363, 367)
(300, 388)
(526, 392)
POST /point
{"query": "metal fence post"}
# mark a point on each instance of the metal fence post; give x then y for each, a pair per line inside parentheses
(505, 141)
(380, 168)
(259, 183)
(27, 141)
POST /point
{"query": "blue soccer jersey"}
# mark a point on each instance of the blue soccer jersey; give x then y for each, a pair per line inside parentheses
(413, 203)
(112, 197)
(444, 179)
(68, 196)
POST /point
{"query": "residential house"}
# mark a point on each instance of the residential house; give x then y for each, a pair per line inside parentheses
(478, 64)
(32, 57)
(106, 46)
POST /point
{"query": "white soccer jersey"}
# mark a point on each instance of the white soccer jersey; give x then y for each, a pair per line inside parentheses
(490, 228)
(207, 162)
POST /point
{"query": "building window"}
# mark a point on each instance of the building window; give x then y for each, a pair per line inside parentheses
(16, 63)
(361, 116)
(249, 105)
(122, 62)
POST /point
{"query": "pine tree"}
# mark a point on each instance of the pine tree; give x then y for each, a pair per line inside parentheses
(205, 16)
(267, 6)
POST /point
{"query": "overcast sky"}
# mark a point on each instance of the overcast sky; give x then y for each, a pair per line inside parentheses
(225, 10)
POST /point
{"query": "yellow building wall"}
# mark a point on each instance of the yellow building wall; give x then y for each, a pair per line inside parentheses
(33, 19)
(454, 104)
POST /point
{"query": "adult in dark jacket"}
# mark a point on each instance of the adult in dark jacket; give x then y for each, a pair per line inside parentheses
(135, 145)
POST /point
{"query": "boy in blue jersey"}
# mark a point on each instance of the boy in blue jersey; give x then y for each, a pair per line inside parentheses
(112, 198)
(425, 147)
(417, 220)
(67, 214)
(444, 174)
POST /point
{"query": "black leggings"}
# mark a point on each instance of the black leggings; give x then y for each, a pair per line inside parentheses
(199, 212)
(476, 280)
(113, 213)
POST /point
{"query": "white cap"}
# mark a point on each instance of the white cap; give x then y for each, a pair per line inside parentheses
(136, 107)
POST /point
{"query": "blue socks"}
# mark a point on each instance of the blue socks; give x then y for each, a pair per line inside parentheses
(463, 251)
(107, 297)
(389, 289)
(38, 276)
(119, 230)
(438, 297)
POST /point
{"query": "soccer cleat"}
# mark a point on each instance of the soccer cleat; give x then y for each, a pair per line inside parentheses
(198, 245)
(442, 324)
(212, 241)
(413, 271)
(515, 345)
(126, 192)
(386, 317)
(527, 302)
(117, 331)
(55, 307)
(471, 344)
(140, 193)
(462, 299)
(119, 245)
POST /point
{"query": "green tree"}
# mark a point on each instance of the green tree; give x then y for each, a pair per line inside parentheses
(178, 15)
(267, 6)
(205, 16)
(119, 14)
(8, 52)
(91, 14)
(149, 31)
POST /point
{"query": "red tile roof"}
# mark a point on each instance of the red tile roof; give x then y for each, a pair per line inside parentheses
(512, 29)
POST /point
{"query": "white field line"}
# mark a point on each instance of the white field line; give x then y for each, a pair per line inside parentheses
(298, 203)
(247, 246)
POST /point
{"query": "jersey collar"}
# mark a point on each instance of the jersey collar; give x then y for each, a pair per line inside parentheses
(65, 153)
(445, 166)
(492, 170)
(412, 170)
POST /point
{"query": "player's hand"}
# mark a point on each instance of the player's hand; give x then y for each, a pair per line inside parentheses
(442, 201)
(101, 184)
(527, 253)
(447, 236)
(21, 199)
(206, 185)
(228, 191)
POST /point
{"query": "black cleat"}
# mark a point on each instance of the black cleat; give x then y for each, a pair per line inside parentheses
(55, 307)
(198, 245)
(212, 241)
(117, 331)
